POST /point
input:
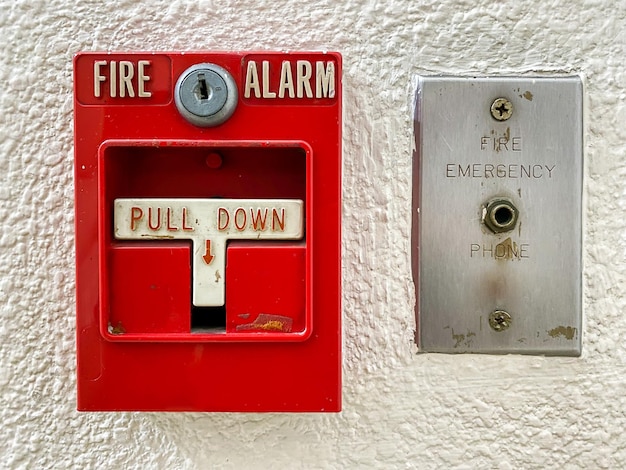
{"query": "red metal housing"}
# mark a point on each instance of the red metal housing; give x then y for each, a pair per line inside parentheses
(275, 343)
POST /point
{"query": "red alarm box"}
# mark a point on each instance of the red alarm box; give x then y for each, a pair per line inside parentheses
(208, 208)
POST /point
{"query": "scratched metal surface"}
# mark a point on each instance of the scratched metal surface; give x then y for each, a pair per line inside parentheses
(465, 158)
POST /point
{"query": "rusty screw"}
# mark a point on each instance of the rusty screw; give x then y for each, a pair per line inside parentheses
(500, 320)
(501, 109)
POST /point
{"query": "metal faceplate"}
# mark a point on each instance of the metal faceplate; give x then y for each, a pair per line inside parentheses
(497, 215)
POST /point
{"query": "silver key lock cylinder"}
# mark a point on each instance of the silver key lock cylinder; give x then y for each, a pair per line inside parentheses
(206, 95)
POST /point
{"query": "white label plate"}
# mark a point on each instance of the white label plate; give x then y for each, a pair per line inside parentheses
(208, 223)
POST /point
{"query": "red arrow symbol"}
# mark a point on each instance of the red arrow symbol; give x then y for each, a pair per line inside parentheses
(208, 257)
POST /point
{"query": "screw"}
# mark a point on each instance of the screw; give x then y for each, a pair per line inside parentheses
(206, 95)
(501, 109)
(499, 320)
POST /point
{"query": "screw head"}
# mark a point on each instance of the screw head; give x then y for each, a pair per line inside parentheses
(206, 95)
(499, 320)
(501, 109)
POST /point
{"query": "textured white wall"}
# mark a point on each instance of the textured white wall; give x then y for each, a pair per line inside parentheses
(401, 410)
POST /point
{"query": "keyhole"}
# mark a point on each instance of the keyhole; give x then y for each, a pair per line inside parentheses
(204, 92)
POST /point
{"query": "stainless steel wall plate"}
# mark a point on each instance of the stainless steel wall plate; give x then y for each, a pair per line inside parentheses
(497, 214)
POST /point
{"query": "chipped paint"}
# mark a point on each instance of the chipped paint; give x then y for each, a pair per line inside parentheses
(528, 95)
(463, 339)
(268, 322)
(458, 338)
(116, 330)
(568, 332)
(274, 325)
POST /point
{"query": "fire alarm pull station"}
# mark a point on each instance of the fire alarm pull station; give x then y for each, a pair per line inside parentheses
(208, 231)
(497, 215)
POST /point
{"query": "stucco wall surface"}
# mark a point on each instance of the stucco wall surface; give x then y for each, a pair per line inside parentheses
(401, 409)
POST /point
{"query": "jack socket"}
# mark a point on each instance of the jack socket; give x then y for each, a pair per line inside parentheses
(500, 215)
